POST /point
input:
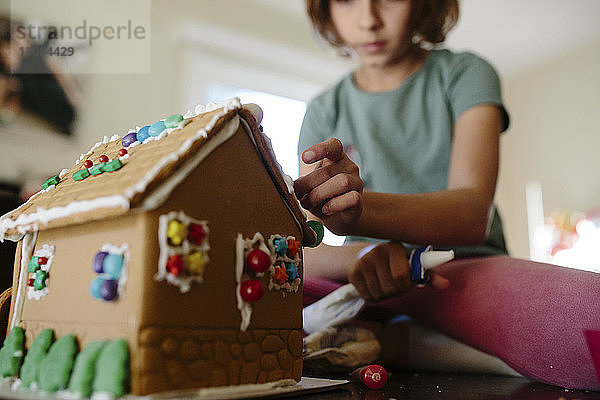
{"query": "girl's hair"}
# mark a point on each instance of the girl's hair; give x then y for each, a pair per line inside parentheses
(430, 21)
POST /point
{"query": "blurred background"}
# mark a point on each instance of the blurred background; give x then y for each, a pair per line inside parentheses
(264, 51)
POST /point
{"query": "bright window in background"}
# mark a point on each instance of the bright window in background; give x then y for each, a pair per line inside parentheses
(282, 119)
(567, 238)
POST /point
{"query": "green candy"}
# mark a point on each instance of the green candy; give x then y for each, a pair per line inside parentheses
(317, 227)
(55, 368)
(81, 174)
(33, 265)
(173, 120)
(112, 369)
(85, 368)
(112, 165)
(97, 169)
(36, 353)
(51, 181)
(39, 281)
(39, 284)
(11, 354)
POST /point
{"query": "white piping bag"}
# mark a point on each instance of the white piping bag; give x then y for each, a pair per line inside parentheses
(345, 303)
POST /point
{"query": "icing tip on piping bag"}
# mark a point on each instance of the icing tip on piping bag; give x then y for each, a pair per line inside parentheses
(344, 303)
(422, 259)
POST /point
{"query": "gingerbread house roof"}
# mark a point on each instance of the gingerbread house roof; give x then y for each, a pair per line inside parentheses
(143, 176)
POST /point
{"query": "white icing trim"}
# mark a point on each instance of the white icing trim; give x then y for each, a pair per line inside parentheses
(48, 252)
(245, 308)
(243, 246)
(184, 282)
(124, 252)
(4, 220)
(280, 261)
(27, 222)
(26, 252)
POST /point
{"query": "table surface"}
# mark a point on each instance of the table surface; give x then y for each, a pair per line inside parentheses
(442, 386)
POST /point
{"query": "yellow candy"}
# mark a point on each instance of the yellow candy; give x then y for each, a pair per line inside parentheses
(195, 262)
(176, 232)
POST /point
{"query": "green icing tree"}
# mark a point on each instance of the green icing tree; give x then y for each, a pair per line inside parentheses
(55, 368)
(36, 353)
(84, 369)
(112, 368)
(11, 354)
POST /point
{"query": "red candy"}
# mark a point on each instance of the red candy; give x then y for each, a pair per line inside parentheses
(251, 290)
(122, 152)
(258, 261)
(42, 260)
(280, 275)
(293, 247)
(175, 265)
(373, 376)
(196, 233)
(103, 158)
(88, 163)
(30, 282)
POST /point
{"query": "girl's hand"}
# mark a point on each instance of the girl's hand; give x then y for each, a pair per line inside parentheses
(382, 272)
(333, 190)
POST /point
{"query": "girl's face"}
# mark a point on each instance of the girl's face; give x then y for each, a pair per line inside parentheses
(377, 30)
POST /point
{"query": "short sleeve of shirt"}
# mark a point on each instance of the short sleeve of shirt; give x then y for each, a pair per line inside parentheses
(314, 126)
(474, 81)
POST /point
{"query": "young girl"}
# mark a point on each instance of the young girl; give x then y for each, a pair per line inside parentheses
(422, 125)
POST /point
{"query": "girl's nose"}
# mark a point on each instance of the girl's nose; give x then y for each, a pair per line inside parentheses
(370, 18)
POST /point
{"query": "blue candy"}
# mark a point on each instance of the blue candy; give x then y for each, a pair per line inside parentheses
(157, 128)
(292, 271)
(280, 246)
(143, 134)
(96, 286)
(129, 139)
(112, 265)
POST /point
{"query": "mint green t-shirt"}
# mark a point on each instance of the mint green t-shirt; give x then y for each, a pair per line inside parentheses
(401, 140)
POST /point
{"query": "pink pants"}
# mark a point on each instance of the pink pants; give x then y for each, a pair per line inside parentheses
(540, 319)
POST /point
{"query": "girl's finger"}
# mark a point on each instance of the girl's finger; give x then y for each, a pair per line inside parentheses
(439, 282)
(344, 202)
(372, 283)
(331, 148)
(359, 283)
(334, 187)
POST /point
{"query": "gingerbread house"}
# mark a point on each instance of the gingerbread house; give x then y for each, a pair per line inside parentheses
(182, 239)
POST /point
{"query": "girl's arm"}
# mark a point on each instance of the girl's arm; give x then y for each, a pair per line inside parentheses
(458, 215)
(333, 262)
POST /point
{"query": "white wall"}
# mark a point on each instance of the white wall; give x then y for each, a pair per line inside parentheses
(554, 138)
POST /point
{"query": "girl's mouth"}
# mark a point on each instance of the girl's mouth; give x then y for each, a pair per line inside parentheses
(373, 47)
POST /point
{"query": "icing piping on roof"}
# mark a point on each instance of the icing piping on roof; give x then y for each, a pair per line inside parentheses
(140, 187)
(27, 222)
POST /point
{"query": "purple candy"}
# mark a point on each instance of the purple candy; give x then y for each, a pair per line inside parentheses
(99, 261)
(108, 290)
(129, 139)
